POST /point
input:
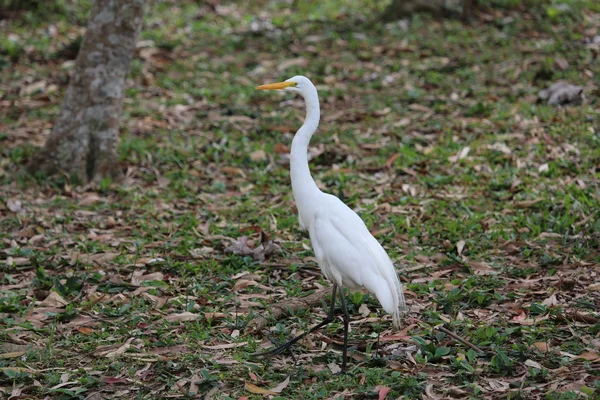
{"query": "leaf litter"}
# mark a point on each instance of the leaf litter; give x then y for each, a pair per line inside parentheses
(485, 204)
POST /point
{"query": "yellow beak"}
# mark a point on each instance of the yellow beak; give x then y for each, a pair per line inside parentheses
(276, 86)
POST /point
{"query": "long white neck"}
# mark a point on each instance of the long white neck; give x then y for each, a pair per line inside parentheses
(303, 185)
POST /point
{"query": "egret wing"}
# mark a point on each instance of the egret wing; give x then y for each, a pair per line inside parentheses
(350, 256)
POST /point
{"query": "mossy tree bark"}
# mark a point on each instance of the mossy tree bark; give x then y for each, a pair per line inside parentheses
(83, 142)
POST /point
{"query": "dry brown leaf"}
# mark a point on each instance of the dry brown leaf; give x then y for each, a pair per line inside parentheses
(460, 247)
(241, 247)
(177, 349)
(13, 354)
(224, 346)
(541, 346)
(99, 258)
(182, 317)
(17, 261)
(138, 277)
(281, 149)
(364, 310)
(463, 153)
(421, 108)
(252, 388)
(550, 301)
(589, 356)
(194, 385)
(383, 392)
(14, 205)
(533, 364)
(122, 349)
(279, 388)
(482, 268)
(243, 283)
(526, 203)
(232, 171)
(594, 287)
(89, 198)
(258, 155)
(53, 300)
(18, 370)
(334, 368)
(26, 232)
(293, 62)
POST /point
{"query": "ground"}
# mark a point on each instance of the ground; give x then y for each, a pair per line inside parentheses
(487, 201)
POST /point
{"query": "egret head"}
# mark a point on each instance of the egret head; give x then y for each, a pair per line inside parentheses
(299, 84)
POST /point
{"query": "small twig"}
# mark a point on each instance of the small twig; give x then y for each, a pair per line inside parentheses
(463, 341)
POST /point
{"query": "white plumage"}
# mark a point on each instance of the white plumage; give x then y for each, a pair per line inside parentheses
(349, 256)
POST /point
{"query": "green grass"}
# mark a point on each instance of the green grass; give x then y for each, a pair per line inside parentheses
(200, 149)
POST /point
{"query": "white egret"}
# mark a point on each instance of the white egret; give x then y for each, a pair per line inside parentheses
(348, 255)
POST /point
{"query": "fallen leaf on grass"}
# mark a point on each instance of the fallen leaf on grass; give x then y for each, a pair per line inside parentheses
(18, 370)
(13, 354)
(594, 287)
(113, 380)
(550, 301)
(194, 380)
(383, 392)
(138, 277)
(241, 247)
(17, 261)
(14, 205)
(521, 317)
(252, 388)
(390, 161)
(462, 154)
(177, 349)
(242, 284)
(182, 317)
(533, 364)
(541, 346)
(482, 268)
(232, 171)
(53, 300)
(334, 368)
(589, 356)
(98, 258)
(26, 232)
(32, 88)
(460, 247)
(224, 346)
(258, 155)
(526, 203)
(279, 388)
(364, 310)
(122, 349)
(281, 148)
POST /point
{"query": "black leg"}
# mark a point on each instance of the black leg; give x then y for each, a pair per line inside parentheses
(280, 349)
(378, 336)
(346, 326)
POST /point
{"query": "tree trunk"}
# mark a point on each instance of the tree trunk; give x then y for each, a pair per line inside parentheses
(398, 9)
(83, 142)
